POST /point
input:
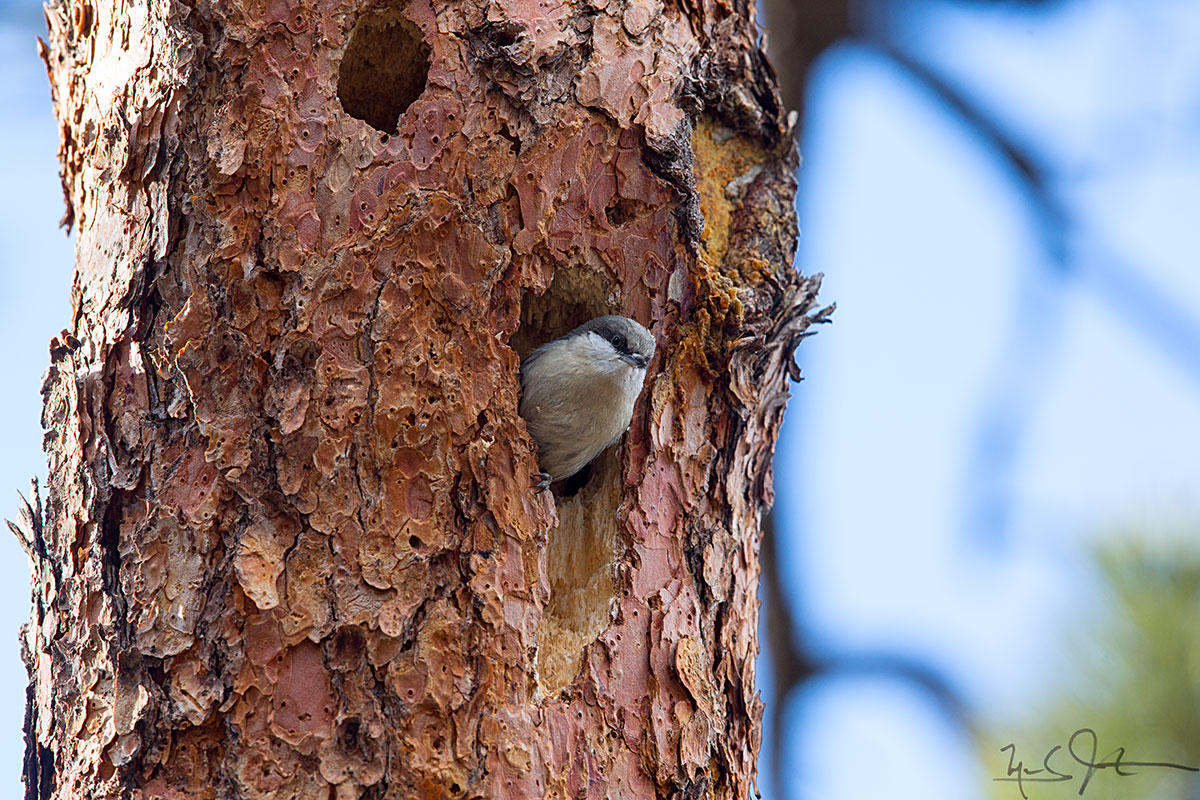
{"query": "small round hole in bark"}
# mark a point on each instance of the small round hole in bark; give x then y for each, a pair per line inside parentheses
(621, 210)
(383, 69)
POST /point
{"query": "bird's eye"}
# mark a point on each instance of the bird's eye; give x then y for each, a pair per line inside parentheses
(618, 341)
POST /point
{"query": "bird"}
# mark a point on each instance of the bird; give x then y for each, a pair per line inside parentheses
(578, 392)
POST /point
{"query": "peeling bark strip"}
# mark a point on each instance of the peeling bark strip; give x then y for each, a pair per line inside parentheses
(292, 547)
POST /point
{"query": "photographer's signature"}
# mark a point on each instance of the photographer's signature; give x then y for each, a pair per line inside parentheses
(1081, 748)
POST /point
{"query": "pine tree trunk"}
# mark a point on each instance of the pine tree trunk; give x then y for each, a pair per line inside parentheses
(293, 546)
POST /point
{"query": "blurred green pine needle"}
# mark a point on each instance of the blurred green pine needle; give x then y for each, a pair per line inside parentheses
(1129, 669)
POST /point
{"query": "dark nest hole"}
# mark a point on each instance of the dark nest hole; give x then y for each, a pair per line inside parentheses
(575, 295)
(383, 70)
(584, 552)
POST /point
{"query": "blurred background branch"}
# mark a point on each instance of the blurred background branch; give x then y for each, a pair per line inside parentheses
(1077, 259)
(794, 664)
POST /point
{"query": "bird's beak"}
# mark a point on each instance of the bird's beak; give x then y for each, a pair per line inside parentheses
(635, 359)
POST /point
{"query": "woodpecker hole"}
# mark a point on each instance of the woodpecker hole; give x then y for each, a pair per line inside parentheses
(576, 295)
(583, 555)
(584, 552)
(383, 69)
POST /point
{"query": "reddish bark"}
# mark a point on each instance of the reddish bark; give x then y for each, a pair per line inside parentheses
(292, 545)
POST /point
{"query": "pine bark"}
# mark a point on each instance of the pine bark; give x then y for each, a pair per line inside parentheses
(292, 545)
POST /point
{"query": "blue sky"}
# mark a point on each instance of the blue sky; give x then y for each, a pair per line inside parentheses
(949, 318)
(950, 315)
(35, 279)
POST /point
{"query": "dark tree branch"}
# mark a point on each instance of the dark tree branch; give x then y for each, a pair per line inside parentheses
(795, 665)
(798, 32)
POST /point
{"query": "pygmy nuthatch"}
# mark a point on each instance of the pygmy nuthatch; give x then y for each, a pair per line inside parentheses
(578, 391)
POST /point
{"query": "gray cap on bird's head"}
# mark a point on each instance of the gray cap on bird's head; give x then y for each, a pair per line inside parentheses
(631, 340)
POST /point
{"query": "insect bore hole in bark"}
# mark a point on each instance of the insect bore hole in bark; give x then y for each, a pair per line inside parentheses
(383, 69)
